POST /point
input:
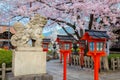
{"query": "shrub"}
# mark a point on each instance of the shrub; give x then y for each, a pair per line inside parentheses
(113, 55)
(6, 57)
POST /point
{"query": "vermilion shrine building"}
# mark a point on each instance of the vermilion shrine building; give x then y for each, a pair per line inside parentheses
(45, 44)
(5, 34)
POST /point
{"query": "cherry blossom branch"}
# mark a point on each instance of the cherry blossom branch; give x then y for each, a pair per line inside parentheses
(50, 5)
(69, 34)
(61, 21)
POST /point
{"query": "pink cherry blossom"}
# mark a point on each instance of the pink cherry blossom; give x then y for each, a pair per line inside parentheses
(69, 12)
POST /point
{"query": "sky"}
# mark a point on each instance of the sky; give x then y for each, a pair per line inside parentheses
(59, 30)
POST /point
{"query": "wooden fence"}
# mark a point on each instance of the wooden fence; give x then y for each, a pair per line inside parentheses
(115, 63)
(88, 62)
(3, 71)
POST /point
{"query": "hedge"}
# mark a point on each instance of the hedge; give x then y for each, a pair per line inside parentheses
(113, 55)
(6, 57)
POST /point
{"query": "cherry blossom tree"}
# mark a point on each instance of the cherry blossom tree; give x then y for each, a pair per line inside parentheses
(77, 14)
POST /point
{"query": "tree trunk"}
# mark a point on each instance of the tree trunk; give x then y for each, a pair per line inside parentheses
(91, 21)
(105, 63)
(105, 59)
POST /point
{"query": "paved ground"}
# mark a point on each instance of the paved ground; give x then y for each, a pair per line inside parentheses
(74, 73)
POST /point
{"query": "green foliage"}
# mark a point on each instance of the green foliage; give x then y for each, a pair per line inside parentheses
(49, 52)
(5, 57)
(74, 50)
(113, 55)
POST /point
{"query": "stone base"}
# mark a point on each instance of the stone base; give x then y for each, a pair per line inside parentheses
(10, 76)
(28, 61)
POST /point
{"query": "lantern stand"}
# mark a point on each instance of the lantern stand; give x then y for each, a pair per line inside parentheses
(96, 65)
(97, 45)
(65, 54)
(96, 57)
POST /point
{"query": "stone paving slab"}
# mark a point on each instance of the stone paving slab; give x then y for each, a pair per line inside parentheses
(74, 73)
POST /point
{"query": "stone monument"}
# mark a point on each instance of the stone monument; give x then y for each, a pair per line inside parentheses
(29, 59)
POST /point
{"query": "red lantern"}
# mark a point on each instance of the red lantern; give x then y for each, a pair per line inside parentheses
(45, 44)
(97, 45)
(65, 45)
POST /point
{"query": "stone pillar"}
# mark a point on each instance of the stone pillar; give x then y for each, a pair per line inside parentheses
(28, 60)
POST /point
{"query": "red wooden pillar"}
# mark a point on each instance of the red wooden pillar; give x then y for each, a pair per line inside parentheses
(61, 53)
(65, 67)
(81, 58)
(69, 59)
(65, 54)
(96, 67)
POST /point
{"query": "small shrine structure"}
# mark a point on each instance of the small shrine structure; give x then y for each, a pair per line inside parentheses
(45, 44)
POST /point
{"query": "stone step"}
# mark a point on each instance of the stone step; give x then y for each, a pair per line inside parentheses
(9, 76)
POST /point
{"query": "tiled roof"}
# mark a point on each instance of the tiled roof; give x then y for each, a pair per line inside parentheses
(46, 40)
(65, 37)
(6, 28)
(97, 34)
(7, 40)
